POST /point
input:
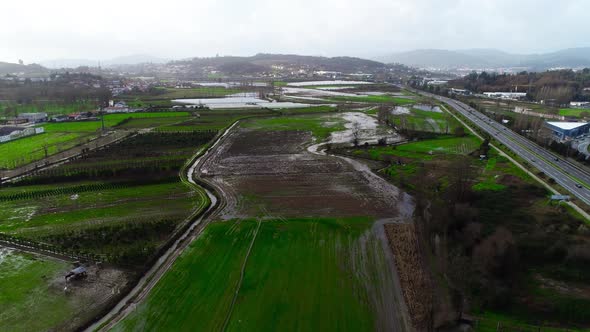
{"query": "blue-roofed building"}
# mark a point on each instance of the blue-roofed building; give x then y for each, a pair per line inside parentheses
(567, 130)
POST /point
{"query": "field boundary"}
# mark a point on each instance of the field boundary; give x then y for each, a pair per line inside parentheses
(176, 245)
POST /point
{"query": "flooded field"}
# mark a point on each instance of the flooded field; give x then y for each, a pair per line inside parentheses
(272, 174)
(239, 101)
(364, 128)
(335, 82)
(399, 110)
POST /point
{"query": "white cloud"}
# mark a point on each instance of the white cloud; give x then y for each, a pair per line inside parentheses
(39, 29)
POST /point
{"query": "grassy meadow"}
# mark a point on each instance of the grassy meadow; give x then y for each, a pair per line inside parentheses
(320, 125)
(278, 290)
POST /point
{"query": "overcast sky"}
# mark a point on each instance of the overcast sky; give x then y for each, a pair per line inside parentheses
(36, 30)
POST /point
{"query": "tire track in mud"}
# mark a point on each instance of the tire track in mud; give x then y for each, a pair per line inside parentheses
(239, 283)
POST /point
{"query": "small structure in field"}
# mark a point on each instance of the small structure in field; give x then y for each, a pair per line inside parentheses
(77, 273)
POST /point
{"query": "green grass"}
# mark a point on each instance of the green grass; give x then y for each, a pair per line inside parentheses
(573, 112)
(195, 293)
(375, 99)
(28, 149)
(320, 125)
(28, 217)
(302, 275)
(110, 120)
(487, 185)
(488, 322)
(312, 109)
(137, 123)
(427, 148)
(27, 299)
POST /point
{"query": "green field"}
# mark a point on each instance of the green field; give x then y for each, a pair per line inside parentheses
(320, 125)
(490, 321)
(40, 217)
(301, 275)
(138, 123)
(573, 112)
(110, 120)
(28, 149)
(27, 299)
(312, 109)
(426, 149)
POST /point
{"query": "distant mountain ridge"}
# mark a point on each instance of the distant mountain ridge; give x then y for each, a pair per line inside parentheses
(490, 58)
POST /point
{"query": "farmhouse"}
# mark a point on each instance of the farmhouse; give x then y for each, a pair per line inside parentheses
(33, 117)
(568, 130)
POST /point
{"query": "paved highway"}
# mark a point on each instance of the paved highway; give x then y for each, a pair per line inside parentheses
(572, 177)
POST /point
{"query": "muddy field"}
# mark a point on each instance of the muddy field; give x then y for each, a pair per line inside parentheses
(272, 174)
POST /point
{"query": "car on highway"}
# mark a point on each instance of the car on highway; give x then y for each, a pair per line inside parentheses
(578, 185)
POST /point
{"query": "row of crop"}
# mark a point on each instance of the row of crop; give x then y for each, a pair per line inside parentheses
(148, 171)
(35, 194)
(130, 243)
(51, 249)
(171, 139)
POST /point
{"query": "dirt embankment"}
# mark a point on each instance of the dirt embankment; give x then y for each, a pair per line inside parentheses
(414, 279)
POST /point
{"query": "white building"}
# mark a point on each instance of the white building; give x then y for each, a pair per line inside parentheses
(8, 133)
(580, 104)
(33, 117)
(506, 95)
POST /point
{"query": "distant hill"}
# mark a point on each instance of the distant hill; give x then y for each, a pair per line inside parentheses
(263, 62)
(490, 58)
(122, 60)
(15, 68)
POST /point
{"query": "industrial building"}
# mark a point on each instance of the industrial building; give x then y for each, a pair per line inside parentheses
(568, 130)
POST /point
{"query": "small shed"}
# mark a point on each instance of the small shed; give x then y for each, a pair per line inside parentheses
(560, 198)
(79, 272)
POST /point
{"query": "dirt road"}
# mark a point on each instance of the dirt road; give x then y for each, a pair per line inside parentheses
(163, 264)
